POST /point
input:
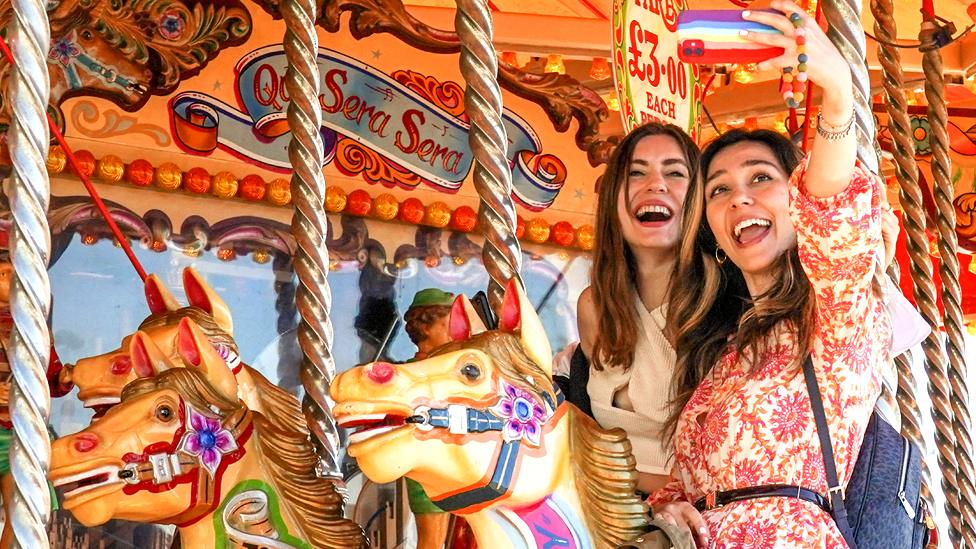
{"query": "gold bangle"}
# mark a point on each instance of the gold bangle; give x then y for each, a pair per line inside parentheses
(831, 132)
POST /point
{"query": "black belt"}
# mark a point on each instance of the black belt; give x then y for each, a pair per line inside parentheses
(714, 500)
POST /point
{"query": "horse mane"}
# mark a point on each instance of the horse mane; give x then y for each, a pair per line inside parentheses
(280, 406)
(314, 503)
(605, 471)
(603, 463)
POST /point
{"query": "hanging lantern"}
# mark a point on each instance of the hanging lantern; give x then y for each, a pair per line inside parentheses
(613, 103)
(510, 58)
(261, 256)
(971, 11)
(196, 180)
(779, 124)
(412, 211)
(56, 160)
(139, 172)
(359, 203)
(226, 254)
(110, 168)
(600, 69)
(223, 185)
(742, 74)
(335, 199)
(385, 207)
(554, 63)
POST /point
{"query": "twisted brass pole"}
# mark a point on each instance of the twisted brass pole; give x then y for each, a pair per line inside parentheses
(30, 295)
(313, 297)
(944, 192)
(845, 32)
(501, 254)
(910, 197)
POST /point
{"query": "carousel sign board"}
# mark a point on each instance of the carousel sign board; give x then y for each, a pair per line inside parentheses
(388, 119)
(651, 83)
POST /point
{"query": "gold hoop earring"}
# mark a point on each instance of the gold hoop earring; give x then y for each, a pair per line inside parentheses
(720, 260)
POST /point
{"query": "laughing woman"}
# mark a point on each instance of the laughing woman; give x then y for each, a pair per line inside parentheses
(625, 378)
(776, 264)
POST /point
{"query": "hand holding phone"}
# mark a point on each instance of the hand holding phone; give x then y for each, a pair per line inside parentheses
(709, 37)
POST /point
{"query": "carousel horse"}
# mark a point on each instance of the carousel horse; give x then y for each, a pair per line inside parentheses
(181, 448)
(127, 50)
(482, 428)
(100, 378)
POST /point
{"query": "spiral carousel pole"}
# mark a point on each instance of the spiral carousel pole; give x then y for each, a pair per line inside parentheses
(501, 254)
(845, 32)
(943, 192)
(910, 197)
(30, 246)
(313, 296)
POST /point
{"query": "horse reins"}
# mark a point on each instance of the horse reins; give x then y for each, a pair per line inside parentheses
(460, 419)
(162, 468)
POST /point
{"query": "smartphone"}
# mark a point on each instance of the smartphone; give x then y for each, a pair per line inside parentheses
(710, 37)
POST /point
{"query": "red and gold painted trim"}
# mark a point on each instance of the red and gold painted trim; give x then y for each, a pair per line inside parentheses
(167, 176)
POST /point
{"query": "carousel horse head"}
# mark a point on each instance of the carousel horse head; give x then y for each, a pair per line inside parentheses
(181, 448)
(100, 378)
(481, 426)
(126, 50)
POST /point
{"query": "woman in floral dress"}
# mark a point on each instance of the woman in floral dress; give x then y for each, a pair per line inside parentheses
(775, 267)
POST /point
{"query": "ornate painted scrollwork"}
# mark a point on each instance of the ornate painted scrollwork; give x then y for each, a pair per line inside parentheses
(562, 97)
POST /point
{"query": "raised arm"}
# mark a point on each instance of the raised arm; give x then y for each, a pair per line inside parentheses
(834, 147)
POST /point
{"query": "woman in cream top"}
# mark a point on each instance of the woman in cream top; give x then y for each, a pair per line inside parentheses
(636, 398)
(621, 320)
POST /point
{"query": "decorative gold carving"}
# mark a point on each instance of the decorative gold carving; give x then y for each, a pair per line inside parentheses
(562, 97)
(85, 115)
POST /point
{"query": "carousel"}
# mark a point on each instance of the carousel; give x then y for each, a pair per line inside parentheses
(221, 217)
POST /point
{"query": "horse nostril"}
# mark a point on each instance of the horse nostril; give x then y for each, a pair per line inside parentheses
(121, 365)
(85, 442)
(380, 372)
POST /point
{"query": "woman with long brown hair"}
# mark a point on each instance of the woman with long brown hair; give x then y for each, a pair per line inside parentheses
(774, 268)
(628, 364)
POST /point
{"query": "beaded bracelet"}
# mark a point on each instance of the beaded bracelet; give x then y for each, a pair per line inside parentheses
(831, 132)
(794, 86)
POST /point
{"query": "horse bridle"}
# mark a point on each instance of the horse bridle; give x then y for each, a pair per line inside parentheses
(163, 466)
(460, 419)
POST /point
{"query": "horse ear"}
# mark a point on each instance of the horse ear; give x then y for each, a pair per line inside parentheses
(464, 321)
(197, 352)
(201, 295)
(517, 313)
(147, 359)
(158, 296)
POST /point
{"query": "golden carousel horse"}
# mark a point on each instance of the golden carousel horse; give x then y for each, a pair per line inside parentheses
(181, 448)
(482, 428)
(100, 378)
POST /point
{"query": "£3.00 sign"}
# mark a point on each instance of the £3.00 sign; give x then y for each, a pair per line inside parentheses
(651, 83)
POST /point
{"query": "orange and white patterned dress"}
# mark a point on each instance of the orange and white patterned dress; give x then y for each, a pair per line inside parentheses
(742, 429)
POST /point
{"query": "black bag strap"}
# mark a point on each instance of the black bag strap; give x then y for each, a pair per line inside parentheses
(835, 492)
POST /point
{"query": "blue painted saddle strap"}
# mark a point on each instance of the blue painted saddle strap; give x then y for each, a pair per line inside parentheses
(500, 481)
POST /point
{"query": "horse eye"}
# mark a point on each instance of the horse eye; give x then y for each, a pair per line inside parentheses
(471, 372)
(164, 413)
